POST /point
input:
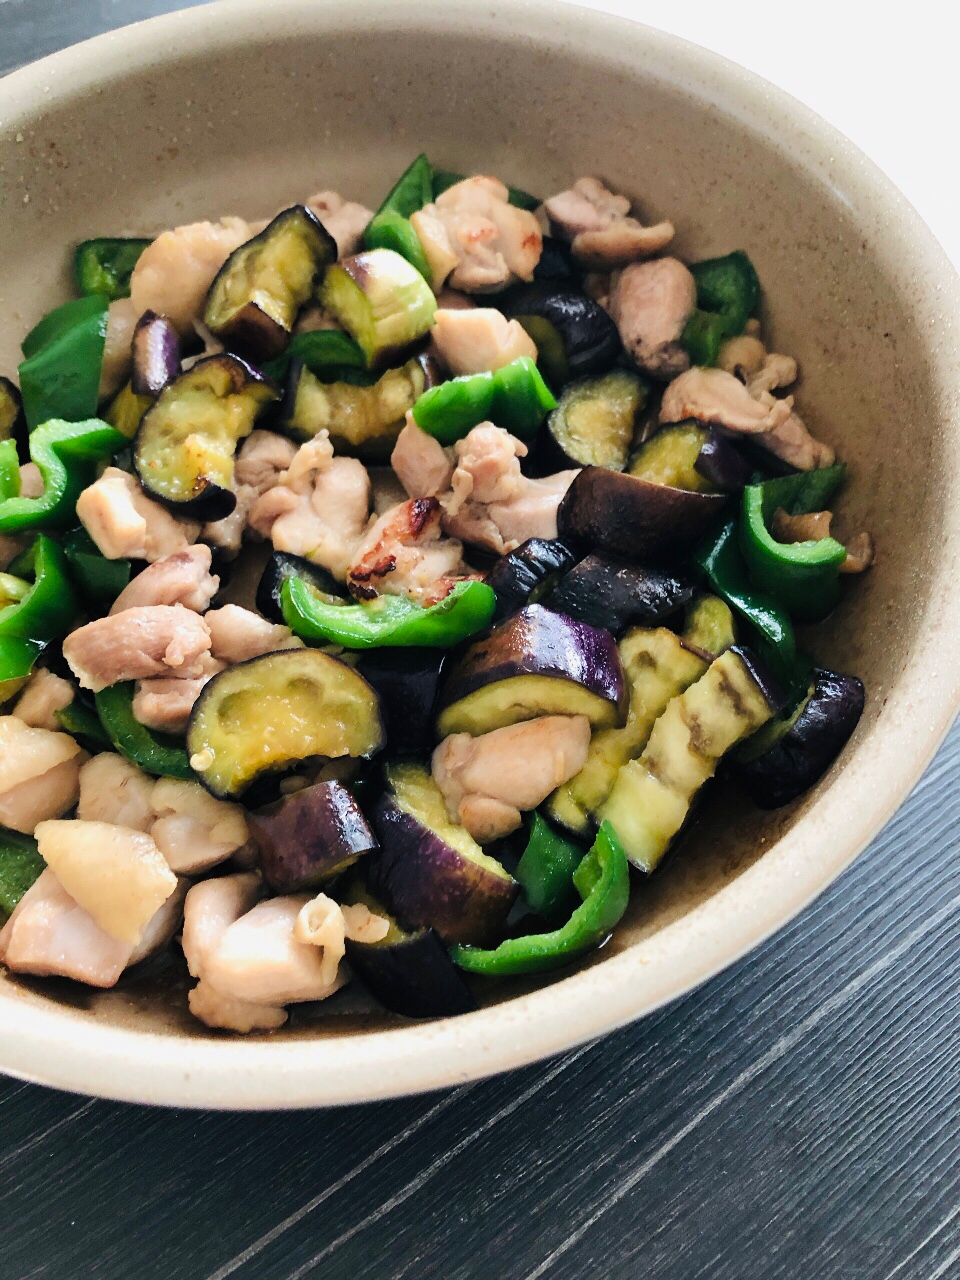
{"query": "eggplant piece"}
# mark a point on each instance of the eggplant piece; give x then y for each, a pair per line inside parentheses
(590, 339)
(125, 411)
(536, 663)
(429, 870)
(708, 625)
(557, 265)
(636, 519)
(183, 450)
(156, 355)
(788, 756)
(670, 456)
(256, 295)
(12, 423)
(283, 565)
(266, 714)
(595, 421)
(410, 973)
(652, 795)
(722, 464)
(407, 682)
(613, 595)
(527, 574)
(310, 836)
(382, 301)
(362, 420)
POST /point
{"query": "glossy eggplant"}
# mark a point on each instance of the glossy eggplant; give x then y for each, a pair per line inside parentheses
(788, 756)
(283, 565)
(382, 301)
(254, 300)
(636, 519)
(526, 575)
(614, 595)
(595, 421)
(429, 870)
(591, 343)
(721, 463)
(689, 455)
(184, 447)
(12, 425)
(310, 836)
(535, 663)
(156, 355)
(407, 682)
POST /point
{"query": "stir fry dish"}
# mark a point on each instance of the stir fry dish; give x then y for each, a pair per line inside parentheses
(382, 592)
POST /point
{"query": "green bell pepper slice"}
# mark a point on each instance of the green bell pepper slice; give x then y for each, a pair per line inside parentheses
(514, 397)
(803, 576)
(99, 579)
(68, 455)
(104, 266)
(412, 190)
(545, 871)
(60, 372)
(702, 337)
(392, 621)
(728, 286)
(156, 753)
(84, 725)
(46, 609)
(20, 867)
(390, 230)
(603, 881)
(329, 354)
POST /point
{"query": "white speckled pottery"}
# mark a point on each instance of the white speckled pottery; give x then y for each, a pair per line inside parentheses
(241, 107)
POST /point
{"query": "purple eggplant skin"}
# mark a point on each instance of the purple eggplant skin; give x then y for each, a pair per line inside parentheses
(309, 836)
(424, 882)
(614, 595)
(414, 976)
(635, 519)
(156, 354)
(539, 642)
(803, 754)
(407, 682)
(722, 463)
(523, 576)
(763, 678)
(281, 566)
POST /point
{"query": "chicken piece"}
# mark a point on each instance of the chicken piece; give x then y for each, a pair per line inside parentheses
(481, 783)
(650, 303)
(194, 831)
(362, 925)
(122, 317)
(597, 225)
(860, 553)
(31, 481)
(744, 356)
(162, 927)
(259, 958)
(39, 774)
(114, 790)
(165, 704)
(10, 548)
(474, 236)
(423, 465)
(262, 458)
(183, 577)
(174, 274)
(44, 696)
(319, 507)
(156, 640)
(344, 219)
(211, 907)
(451, 300)
(320, 923)
(124, 522)
(404, 553)
(215, 1009)
(479, 340)
(239, 634)
(718, 398)
(812, 526)
(48, 933)
(115, 873)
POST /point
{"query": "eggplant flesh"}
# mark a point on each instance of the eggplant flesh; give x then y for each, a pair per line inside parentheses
(11, 410)
(590, 338)
(156, 354)
(283, 565)
(526, 575)
(800, 750)
(184, 447)
(254, 300)
(382, 301)
(310, 836)
(407, 682)
(595, 420)
(614, 595)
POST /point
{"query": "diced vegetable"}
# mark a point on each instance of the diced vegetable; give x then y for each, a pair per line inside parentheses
(412, 190)
(429, 870)
(407, 682)
(84, 725)
(266, 714)
(382, 301)
(254, 300)
(590, 339)
(595, 420)
(67, 455)
(156, 355)
(125, 411)
(329, 354)
(709, 625)
(184, 449)
(310, 836)
(32, 614)
(281, 566)
(100, 580)
(390, 230)
(613, 595)
(20, 866)
(11, 411)
(703, 335)
(670, 458)
(60, 372)
(527, 575)
(533, 664)
(652, 794)
(545, 871)
(514, 397)
(729, 287)
(156, 753)
(104, 266)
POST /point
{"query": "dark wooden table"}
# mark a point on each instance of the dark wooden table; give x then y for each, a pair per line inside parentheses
(797, 1118)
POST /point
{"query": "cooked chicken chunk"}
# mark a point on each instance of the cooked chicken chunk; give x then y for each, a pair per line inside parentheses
(39, 774)
(165, 704)
(813, 526)
(113, 789)
(344, 219)
(598, 226)
(215, 1009)
(318, 508)
(744, 356)
(474, 236)
(479, 340)
(124, 522)
(163, 925)
(262, 457)
(122, 317)
(210, 908)
(404, 553)
(44, 696)
(183, 577)
(31, 481)
(650, 304)
(481, 783)
(420, 460)
(158, 640)
(10, 548)
(194, 831)
(239, 634)
(174, 274)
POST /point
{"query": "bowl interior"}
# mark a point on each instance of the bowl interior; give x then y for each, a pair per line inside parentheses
(248, 108)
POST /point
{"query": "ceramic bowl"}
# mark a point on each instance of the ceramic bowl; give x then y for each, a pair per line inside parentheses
(242, 107)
